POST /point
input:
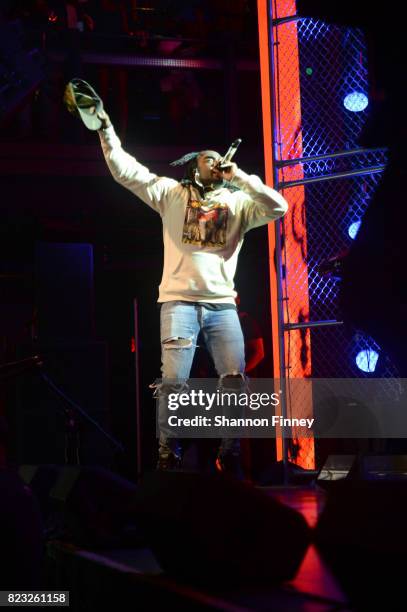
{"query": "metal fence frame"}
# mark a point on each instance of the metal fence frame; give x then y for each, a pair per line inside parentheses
(341, 164)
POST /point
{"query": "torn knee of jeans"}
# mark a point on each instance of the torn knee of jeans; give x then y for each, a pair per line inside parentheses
(165, 387)
(156, 386)
(177, 342)
(233, 375)
(233, 380)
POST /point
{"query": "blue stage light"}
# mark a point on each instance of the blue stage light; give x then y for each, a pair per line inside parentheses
(354, 228)
(366, 360)
(355, 101)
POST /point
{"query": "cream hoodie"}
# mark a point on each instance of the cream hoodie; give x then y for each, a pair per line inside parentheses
(202, 238)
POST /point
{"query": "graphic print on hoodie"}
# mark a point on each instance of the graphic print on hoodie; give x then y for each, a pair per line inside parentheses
(205, 224)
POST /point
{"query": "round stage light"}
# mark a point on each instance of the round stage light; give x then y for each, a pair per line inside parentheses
(356, 101)
(354, 228)
(366, 360)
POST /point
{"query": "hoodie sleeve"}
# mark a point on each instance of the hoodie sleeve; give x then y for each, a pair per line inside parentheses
(260, 204)
(127, 171)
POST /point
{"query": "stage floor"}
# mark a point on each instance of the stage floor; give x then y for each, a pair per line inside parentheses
(314, 588)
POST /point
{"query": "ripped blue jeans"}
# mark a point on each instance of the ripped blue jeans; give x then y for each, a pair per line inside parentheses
(180, 325)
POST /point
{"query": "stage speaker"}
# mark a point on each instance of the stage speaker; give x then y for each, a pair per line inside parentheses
(383, 467)
(87, 506)
(65, 292)
(40, 479)
(336, 467)
(362, 468)
(212, 530)
(21, 535)
(361, 535)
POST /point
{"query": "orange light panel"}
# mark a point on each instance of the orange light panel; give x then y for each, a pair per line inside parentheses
(287, 115)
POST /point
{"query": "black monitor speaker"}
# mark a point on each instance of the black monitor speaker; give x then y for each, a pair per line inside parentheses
(209, 529)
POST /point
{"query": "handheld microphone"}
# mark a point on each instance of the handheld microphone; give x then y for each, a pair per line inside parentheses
(226, 159)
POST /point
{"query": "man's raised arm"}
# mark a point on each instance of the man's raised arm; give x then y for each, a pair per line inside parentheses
(127, 171)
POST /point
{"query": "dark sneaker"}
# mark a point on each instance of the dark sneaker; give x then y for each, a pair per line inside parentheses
(168, 462)
(230, 464)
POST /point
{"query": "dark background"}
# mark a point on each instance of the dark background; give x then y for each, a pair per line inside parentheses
(56, 189)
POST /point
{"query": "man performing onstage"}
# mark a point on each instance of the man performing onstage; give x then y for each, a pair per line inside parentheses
(205, 217)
